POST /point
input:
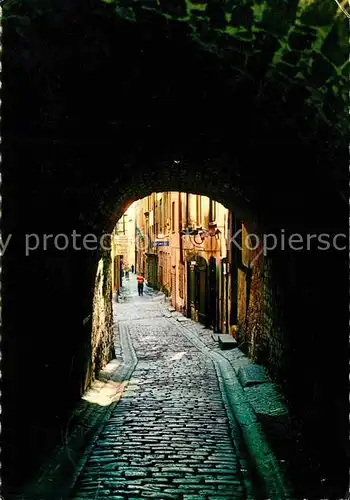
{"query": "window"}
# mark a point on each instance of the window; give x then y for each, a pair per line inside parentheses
(212, 211)
(183, 209)
(181, 281)
(199, 210)
(165, 210)
(160, 216)
(173, 216)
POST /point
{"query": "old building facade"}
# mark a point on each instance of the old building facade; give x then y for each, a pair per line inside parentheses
(208, 261)
(123, 247)
(184, 247)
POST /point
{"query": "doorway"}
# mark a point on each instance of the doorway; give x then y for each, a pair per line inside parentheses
(197, 283)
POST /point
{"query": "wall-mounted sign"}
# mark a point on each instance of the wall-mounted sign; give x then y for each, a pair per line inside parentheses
(122, 244)
(161, 243)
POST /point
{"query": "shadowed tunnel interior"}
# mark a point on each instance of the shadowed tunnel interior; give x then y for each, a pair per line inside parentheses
(104, 104)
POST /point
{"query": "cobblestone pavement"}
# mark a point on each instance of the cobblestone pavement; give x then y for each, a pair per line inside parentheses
(169, 437)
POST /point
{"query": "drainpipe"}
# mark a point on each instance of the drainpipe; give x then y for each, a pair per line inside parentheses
(187, 210)
(180, 228)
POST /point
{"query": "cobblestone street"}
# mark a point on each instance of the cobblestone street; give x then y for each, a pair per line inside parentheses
(169, 437)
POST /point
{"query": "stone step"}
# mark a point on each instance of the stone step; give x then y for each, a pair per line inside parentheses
(226, 341)
(181, 319)
(269, 407)
(252, 374)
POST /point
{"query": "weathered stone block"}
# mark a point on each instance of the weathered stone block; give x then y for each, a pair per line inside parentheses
(252, 374)
(269, 407)
(182, 319)
(226, 341)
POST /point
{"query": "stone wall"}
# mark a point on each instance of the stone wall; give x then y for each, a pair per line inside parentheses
(102, 319)
(284, 330)
(260, 325)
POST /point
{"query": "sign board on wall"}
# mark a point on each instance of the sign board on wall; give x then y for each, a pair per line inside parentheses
(122, 244)
(161, 243)
(122, 250)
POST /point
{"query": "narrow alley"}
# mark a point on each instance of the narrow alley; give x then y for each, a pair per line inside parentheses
(169, 437)
(197, 148)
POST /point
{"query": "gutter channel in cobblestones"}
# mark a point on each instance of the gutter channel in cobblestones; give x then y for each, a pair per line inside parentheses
(260, 455)
(237, 440)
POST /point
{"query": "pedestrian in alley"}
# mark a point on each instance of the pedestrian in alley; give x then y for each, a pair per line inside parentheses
(140, 281)
(132, 268)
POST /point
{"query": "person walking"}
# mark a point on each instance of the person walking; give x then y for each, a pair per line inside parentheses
(140, 281)
(132, 268)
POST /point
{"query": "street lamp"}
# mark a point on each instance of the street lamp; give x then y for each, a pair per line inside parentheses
(199, 234)
(213, 231)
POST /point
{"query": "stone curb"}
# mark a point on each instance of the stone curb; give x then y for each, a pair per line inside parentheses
(236, 438)
(69, 460)
(263, 459)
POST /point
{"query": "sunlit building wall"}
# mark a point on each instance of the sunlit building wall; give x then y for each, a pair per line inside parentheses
(168, 257)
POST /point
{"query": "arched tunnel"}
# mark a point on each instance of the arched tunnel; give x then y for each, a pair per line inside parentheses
(107, 102)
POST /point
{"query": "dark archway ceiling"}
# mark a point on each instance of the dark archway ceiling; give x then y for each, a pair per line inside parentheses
(105, 91)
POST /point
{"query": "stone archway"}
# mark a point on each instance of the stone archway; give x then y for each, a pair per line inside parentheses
(198, 290)
(79, 149)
